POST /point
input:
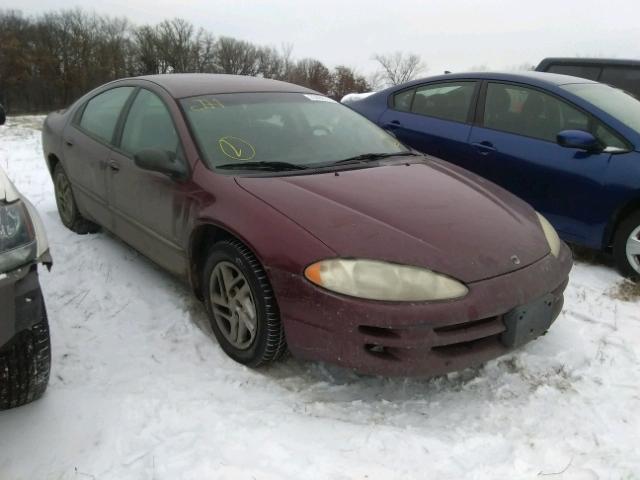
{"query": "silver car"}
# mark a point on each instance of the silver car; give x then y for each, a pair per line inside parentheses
(25, 351)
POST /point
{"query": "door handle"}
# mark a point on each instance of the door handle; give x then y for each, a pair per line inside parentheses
(68, 143)
(484, 148)
(113, 165)
(393, 124)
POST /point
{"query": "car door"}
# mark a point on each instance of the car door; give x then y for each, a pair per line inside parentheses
(515, 146)
(150, 209)
(434, 118)
(87, 140)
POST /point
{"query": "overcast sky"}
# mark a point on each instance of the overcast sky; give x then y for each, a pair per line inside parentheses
(449, 34)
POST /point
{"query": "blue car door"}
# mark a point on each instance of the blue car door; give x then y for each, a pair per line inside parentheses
(514, 145)
(434, 118)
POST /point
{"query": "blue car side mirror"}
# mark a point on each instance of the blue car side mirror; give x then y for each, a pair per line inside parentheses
(578, 139)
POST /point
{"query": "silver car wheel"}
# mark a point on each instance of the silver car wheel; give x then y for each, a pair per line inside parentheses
(633, 249)
(233, 306)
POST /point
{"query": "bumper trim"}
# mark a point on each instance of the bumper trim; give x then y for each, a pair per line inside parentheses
(20, 302)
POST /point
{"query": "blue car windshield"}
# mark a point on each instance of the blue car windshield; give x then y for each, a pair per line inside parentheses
(299, 129)
(615, 102)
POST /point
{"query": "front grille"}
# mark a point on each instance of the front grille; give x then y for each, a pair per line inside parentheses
(466, 332)
(465, 348)
(459, 338)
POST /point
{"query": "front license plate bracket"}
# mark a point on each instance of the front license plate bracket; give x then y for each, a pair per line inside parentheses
(528, 322)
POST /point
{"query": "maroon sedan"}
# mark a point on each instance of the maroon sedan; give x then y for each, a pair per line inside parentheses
(302, 225)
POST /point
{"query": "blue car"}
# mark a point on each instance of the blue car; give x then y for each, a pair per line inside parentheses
(568, 146)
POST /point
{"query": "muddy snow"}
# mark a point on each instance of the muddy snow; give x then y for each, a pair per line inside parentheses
(140, 389)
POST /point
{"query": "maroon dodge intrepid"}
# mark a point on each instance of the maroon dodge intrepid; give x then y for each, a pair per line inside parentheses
(303, 226)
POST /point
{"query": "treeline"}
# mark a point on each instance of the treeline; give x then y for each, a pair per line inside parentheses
(48, 61)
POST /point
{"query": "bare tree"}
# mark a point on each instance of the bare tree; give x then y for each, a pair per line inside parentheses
(236, 56)
(376, 80)
(311, 73)
(176, 48)
(270, 63)
(286, 53)
(147, 58)
(47, 61)
(205, 58)
(398, 68)
(345, 80)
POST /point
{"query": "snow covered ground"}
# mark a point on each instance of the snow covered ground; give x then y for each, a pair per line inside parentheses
(141, 390)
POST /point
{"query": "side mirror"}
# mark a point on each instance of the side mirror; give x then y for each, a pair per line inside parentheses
(3, 115)
(161, 161)
(578, 139)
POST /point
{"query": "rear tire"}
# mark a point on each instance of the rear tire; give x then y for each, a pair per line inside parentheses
(25, 363)
(626, 246)
(67, 207)
(241, 305)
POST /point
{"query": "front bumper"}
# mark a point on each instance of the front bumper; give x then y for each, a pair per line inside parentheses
(422, 339)
(21, 304)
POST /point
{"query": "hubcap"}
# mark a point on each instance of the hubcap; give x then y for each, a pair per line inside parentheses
(64, 198)
(232, 303)
(633, 249)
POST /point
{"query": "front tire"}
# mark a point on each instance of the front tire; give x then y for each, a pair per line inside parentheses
(25, 364)
(626, 246)
(241, 305)
(66, 203)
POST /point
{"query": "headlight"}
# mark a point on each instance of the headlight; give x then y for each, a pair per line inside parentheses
(375, 280)
(552, 236)
(17, 238)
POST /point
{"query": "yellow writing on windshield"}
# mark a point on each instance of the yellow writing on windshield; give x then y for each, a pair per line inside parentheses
(236, 148)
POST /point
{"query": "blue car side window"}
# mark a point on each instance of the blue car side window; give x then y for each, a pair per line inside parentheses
(449, 101)
(402, 101)
(531, 113)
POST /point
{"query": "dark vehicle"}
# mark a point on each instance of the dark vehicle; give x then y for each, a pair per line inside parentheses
(25, 353)
(568, 146)
(295, 218)
(624, 74)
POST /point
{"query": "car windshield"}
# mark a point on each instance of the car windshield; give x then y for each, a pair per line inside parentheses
(613, 101)
(301, 130)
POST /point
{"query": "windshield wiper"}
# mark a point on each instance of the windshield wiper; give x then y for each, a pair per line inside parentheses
(271, 166)
(367, 157)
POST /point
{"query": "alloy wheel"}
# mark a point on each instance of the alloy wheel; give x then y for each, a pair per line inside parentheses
(633, 249)
(232, 304)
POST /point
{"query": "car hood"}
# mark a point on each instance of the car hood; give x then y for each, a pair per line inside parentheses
(427, 214)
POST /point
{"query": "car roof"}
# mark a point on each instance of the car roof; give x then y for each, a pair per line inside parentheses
(181, 85)
(541, 79)
(589, 61)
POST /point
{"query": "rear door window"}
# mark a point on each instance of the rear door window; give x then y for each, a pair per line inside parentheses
(582, 71)
(102, 111)
(449, 101)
